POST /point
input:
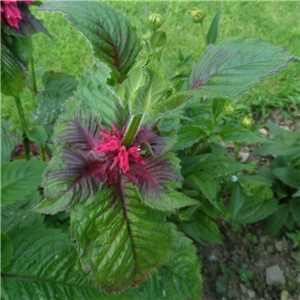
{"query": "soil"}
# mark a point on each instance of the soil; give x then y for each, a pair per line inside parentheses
(239, 252)
(257, 255)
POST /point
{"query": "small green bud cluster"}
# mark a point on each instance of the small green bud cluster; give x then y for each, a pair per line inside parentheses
(154, 21)
(197, 15)
(247, 122)
(228, 109)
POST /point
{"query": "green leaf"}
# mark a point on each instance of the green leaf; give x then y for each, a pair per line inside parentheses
(214, 165)
(19, 214)
(95, 94)
(135, 81)
(19, 178)
(206, 184)
(297, 194)
(113, 39)
(169, 201)
(286, 143)
(44, 267)
(37, 134)
(74, 173)
(231, 67)
(288, 176)
(217, 106)
(240, 135)
(212, 33)
(177, 280)
(158, 39)
(156, 87)
(28, 25)
(7, 250)
(8, 141)
(174, 102)
(204, 227)
(58, 87)
(257, 192)
(252, 212)
(121, 240)
(276, 221)
(237, 200)
(15, 53)
(295, 209)
(187, 137)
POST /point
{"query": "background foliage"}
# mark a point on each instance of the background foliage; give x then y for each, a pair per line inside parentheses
(271, 21)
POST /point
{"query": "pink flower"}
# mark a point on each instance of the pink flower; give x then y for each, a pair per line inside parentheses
(11, 13)
(118, 154)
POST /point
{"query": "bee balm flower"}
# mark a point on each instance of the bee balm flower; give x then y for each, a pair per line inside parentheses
(11, 13)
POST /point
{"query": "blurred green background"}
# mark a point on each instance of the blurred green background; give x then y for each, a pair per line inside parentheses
(274, 22)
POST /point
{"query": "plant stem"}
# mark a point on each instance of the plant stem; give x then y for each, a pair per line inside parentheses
(23, 124)
(132, 129)
(32, 80)
(33, 92)
(237, 153)
(42, 152)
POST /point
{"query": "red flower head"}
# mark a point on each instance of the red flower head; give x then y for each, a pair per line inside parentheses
(11, 13)
(111, 145)
(90, 157)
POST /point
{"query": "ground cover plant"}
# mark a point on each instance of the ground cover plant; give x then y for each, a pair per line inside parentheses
(123, 168)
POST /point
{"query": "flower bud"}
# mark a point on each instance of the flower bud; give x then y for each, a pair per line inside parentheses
(247, 122)
(229, 109)
(154, 21)
(197, 15)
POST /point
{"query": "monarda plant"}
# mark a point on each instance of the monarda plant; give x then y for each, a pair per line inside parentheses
(115, 172)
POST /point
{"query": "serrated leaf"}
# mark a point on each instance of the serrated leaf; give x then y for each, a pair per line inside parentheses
(69, 178)
(169, 201)
(8, 141)
(157, 178)
(276, 221)
(112, 37)
(215, 165)
(135, 80)
(77, 128)
(177, 280)
(240, 135)
(94, 92)
(19, 214)
(44, 267)
(288, 176)
(231, 67)
(237, 200)
(7, 250)
(28, 25)
(174, 102)
(254, 211)
(15, 53)
(212, 33)
(37, 134)
(158, 39)
(206, 184)
(58, 87)
(217, 107)
(286, 143)
(187, 137)
(19, 178)
(256, 192)
(149, 96)
(74, 173)
(121, 240)
(204, 227)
